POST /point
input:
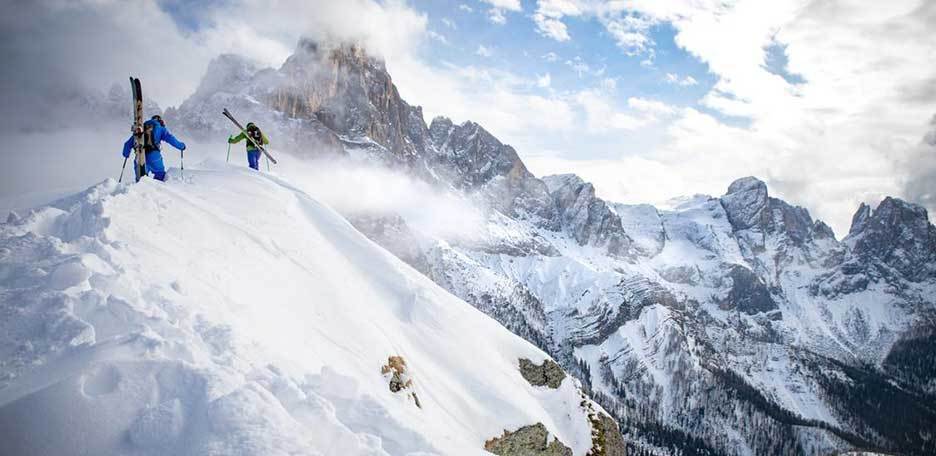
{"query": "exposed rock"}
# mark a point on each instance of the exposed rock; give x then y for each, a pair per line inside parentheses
(588, 218)
(473, 159)
(606, 436)
(746, 203)
(748, 292)
(547, 374)
(897, 233)
(753, 213)
(527, 441)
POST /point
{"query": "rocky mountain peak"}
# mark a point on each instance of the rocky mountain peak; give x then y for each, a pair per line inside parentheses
(897, 232)
(226, 73)
(860, 219)
(588, 218)
(750, 208)
(746, 203)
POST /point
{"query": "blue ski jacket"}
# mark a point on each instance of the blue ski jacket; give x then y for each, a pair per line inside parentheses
(160, 134)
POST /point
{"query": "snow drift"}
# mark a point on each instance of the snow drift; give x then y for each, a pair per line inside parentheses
(230, 313)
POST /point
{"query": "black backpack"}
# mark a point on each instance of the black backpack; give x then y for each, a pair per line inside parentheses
(255, 134)
(149, 142)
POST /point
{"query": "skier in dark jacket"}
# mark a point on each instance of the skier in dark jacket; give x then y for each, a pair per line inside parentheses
(155, 132)
(253, 153)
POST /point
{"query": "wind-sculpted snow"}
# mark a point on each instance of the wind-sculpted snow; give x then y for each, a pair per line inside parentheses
(230, 313)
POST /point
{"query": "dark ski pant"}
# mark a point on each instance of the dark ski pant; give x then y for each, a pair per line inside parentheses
(253, 159)
(154, 166)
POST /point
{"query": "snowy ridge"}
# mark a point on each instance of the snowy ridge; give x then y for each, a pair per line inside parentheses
(230, 313)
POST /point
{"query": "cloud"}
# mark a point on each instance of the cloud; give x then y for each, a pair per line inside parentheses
(551, 27)
(438, 37)
(510, 5)
(484, 51)
(465, 8)
(629, 30)
(449, 23)
(686, 81)
(578, 66)
(920, 168)
(497, 16)
(848, 131)
(550, 57)
(544, 81)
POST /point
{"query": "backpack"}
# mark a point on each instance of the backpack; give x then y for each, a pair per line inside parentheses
(149, 141)
(255, 134)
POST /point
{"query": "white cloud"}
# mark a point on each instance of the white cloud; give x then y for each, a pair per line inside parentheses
(497, 16)
(551, 27)
(484, 51)
(578, 66)
(842, 135)
(657, 108)
(438, 37)
(449, 23)
(686, 81)
(629, 30)
(511, 5)
(550, 57)
(544, 81)
(603, 117)
(466, 8)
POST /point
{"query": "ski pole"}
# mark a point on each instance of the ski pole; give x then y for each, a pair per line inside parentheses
(183, 163)
(122, 170)
(229, 154)
(268, 163)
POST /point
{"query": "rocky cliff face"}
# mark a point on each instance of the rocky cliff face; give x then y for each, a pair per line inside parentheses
(678, 321)
(897, 233)
(589, 219)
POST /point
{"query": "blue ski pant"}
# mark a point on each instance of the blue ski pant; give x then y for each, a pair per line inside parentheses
(154, 166)
(253, 159)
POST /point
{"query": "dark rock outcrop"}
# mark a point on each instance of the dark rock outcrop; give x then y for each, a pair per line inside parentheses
(897, 233)
(588, 218)
(748, 292)
(547, 374)
(530, 440)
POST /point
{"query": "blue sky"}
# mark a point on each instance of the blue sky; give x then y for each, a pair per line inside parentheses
(517, 47)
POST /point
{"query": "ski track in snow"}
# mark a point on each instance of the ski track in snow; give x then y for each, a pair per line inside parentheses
(230, 313)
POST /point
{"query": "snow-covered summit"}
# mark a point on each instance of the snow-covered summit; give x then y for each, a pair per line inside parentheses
(231, 313)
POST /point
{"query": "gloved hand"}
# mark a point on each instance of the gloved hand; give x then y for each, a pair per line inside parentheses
(126, 154)
(183, 146)
(231, 139)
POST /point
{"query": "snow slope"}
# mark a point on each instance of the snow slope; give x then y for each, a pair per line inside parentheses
(231, 313)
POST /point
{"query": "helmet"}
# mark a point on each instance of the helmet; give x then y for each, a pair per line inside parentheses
(159, 119)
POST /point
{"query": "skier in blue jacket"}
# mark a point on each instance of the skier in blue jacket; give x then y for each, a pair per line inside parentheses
(155, 132)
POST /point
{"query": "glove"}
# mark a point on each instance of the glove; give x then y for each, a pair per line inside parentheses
(126, 154)
(183, 146)
(231, 139)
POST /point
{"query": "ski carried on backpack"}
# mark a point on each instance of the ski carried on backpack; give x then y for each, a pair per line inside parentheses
(249, 138)
(137, 129)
